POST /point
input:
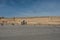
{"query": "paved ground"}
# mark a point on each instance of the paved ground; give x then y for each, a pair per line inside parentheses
(29, 32)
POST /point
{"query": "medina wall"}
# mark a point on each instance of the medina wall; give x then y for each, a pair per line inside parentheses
(32, 20)
(43, 20)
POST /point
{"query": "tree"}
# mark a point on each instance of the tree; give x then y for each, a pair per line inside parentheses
(1, 17)
(23, 22)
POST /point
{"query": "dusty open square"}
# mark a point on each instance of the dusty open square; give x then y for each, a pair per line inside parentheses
(29, 32)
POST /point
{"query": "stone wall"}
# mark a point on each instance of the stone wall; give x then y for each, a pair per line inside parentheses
(31, 20)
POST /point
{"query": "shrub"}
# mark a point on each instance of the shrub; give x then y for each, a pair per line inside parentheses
(13, 24)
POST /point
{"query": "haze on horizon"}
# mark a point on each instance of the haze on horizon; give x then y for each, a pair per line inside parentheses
(20, 8)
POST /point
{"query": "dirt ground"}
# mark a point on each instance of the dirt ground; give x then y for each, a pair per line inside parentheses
(29, 32)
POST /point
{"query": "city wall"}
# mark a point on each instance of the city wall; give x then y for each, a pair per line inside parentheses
(31, 20)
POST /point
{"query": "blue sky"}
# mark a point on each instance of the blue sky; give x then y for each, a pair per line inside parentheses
(20, 8)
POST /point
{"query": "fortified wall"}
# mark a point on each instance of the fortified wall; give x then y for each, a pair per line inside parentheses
(31, 20)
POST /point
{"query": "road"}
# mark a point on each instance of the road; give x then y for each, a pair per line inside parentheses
(29, 32)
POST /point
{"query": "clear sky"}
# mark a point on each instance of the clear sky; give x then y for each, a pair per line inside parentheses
(18, 8)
